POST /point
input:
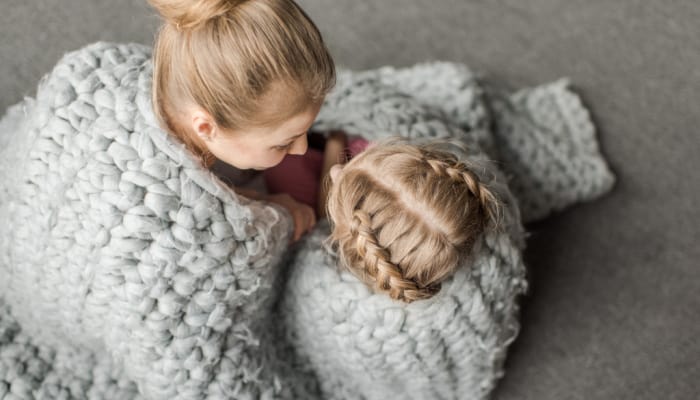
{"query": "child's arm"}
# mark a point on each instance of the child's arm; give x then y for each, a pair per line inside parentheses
(334, 153)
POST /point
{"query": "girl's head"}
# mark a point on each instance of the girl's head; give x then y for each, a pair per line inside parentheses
(404, 216)
(241, 80)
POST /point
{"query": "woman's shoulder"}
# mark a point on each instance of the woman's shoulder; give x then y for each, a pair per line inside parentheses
(93, 53)
(81, 74)
(113, 60)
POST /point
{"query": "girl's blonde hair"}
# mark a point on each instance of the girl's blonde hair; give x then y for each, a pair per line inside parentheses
(227, 56)
(404, 216)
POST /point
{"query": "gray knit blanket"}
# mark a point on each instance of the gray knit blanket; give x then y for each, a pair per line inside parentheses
(127, 271)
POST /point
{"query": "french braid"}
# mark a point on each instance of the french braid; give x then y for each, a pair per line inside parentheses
(458, 171)
(378, 265)
(405, 216)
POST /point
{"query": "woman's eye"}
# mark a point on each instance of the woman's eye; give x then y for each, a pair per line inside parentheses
(283, 147)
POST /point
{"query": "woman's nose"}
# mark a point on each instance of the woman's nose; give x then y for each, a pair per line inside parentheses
(299, 146)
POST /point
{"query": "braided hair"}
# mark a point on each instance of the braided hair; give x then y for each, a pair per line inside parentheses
(404, 216)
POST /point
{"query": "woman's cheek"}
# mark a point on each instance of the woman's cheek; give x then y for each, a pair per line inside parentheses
(275, 158)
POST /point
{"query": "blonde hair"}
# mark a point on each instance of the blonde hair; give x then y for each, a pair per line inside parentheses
(226, 56)
(404, 216)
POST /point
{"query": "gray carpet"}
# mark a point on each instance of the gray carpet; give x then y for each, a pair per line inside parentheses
(615, 301)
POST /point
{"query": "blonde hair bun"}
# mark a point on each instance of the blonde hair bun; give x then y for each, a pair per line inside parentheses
(190, 14)
(224, 56)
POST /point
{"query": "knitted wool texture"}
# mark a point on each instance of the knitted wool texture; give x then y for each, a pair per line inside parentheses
(364, 345)
(129, 271)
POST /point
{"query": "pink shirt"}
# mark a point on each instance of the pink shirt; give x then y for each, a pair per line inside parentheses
(300, 176)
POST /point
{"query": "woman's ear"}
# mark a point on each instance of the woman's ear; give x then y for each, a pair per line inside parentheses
(203, 125)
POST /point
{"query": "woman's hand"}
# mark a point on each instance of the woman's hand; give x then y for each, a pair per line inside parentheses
(303, 216)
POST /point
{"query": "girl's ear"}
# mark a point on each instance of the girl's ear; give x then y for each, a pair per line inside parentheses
(203, 125)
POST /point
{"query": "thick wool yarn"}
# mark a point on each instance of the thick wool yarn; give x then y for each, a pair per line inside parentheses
(129, 271)
(116, 240)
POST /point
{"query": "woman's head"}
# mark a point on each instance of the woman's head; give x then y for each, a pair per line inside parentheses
(241, 80)
(404, 216)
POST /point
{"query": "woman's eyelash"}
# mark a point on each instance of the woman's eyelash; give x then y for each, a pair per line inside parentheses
(283, 147)
(288, 145)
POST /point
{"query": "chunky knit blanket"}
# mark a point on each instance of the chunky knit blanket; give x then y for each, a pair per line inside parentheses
(128, 271)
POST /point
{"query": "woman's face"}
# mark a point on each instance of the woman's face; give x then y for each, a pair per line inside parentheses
(264, 147)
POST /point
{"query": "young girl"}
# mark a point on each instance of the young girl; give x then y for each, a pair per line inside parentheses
(241, 81)
(403, 216)
(423, 306)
